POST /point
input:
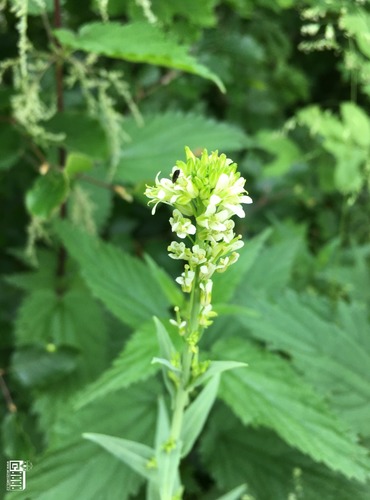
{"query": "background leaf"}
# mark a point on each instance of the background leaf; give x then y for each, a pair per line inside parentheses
(158, 144)
(135, 42)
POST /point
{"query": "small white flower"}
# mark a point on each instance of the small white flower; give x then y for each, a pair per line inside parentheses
(181, 225)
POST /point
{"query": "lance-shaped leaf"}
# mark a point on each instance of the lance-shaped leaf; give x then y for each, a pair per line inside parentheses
(167, 350)
(168, 465)
(234, 494)
(137, 42)
(216, 368)
(135, 455)
(196, 414)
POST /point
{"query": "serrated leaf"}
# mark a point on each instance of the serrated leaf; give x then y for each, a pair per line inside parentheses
(137, 42)
(120, 281)
(269, 466)
(332, 357)
(36, 367)
(131, 365)
(63, 470)
(271, 394)
(134, 455)
(197, 413)
(168, 285)
(158, 144)
(225, 283)
(47, 194)
(271, 271)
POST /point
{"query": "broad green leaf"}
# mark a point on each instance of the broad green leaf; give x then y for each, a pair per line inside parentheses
(169, 287)
(137, 42)
(348, 177)
(285, 151)
(50, 320)
(119, 280)
(358, 25)
(77, 468)
(72, 319)
(357, 122)
(197, 413)
(226, 283)
(37, 367)
(271, 270)
(83, 134)
(159, 143)
(334, 357)
(234, 453)
(134, 455)
(47, 194)
(10, 146)
(131, 365)
(271, 394)
(77, 163)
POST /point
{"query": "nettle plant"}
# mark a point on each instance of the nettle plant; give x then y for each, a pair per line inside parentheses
(205, 194)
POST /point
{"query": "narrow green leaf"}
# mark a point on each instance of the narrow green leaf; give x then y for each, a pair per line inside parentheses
(119, 280)
(197, 413)
(270, 393)
(167, 351)
(47, 194)
(216, 368)
(234, 494)
(133, 454)
(168, 476)
(165, 363)
(166, 347)
(136, 42)
(163, 425)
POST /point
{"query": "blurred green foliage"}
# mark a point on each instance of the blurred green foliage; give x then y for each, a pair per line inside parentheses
(115, 93)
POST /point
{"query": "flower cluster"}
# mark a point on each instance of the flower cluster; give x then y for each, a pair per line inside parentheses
(205, 193)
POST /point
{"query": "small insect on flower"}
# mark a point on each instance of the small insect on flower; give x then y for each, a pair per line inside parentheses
(175, 175)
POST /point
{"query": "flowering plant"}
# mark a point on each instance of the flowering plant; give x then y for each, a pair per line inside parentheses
(205, 194)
